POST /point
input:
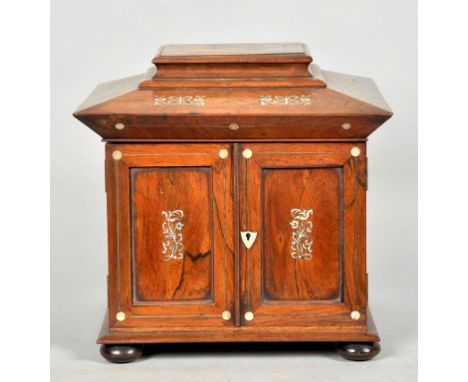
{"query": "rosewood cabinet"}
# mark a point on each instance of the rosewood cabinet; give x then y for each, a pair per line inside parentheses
(236, 180)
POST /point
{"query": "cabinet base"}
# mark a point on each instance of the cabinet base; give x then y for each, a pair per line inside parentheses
(352, 344)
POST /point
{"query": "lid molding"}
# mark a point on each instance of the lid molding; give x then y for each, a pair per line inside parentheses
(270, 62)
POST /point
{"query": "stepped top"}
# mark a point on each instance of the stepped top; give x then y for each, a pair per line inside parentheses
(271, 91)
(260, 63)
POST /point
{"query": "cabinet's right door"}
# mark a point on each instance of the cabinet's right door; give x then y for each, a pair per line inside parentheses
(302, 213)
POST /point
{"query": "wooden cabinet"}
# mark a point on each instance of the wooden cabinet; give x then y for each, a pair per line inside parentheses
(236, 182)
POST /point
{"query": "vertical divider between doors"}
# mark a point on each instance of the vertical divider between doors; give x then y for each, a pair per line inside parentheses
(236, 191)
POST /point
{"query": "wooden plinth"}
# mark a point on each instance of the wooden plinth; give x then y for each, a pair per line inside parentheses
(242, 334)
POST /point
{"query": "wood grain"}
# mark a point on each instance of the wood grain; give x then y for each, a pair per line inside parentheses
(232, 60)
(307, 189)
(322, 118)
(232, 70)
(156, 191)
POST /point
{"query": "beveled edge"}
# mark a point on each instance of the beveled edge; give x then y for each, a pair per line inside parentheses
(286, 52)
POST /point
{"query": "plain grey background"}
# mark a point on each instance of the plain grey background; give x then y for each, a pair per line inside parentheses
(98, 41)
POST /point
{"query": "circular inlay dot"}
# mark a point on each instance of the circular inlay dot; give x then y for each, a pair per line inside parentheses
(223, 153)
(346, 126)
(117, 154)
(355, 315)
(355, 151)
(247, 153)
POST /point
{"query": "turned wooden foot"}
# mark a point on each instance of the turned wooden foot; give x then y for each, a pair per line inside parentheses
(358, 351)
(121, 353)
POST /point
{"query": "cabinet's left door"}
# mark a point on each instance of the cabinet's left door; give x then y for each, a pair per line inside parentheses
(171, 246)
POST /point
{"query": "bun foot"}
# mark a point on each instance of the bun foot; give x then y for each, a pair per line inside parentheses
(121, 353)
(358, 351)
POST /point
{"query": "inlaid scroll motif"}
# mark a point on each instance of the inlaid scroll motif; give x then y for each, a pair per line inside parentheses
(285, 100)
(301, 243)
(173, 247)
(196, 100)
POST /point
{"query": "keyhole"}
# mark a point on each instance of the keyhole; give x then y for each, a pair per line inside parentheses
(247, 235)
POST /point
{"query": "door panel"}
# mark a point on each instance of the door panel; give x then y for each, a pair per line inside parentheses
(301, 234)
(171, 227)
(172, 233)
(306, 204)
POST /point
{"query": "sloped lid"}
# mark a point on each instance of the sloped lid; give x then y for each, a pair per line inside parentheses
(272, 91)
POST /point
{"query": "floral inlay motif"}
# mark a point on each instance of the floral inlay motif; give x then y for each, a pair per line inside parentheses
(285, 100)
(301, 243)
(173, 247)
(197, 100)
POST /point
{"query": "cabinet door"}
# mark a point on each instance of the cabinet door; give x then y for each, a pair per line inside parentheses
(304, 204)
(170, 235)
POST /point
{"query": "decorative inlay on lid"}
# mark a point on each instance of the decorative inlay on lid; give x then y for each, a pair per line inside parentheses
(197, 100)
(285, 100)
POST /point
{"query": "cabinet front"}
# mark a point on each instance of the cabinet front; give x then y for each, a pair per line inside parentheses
(302, 233)
(171, 242)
